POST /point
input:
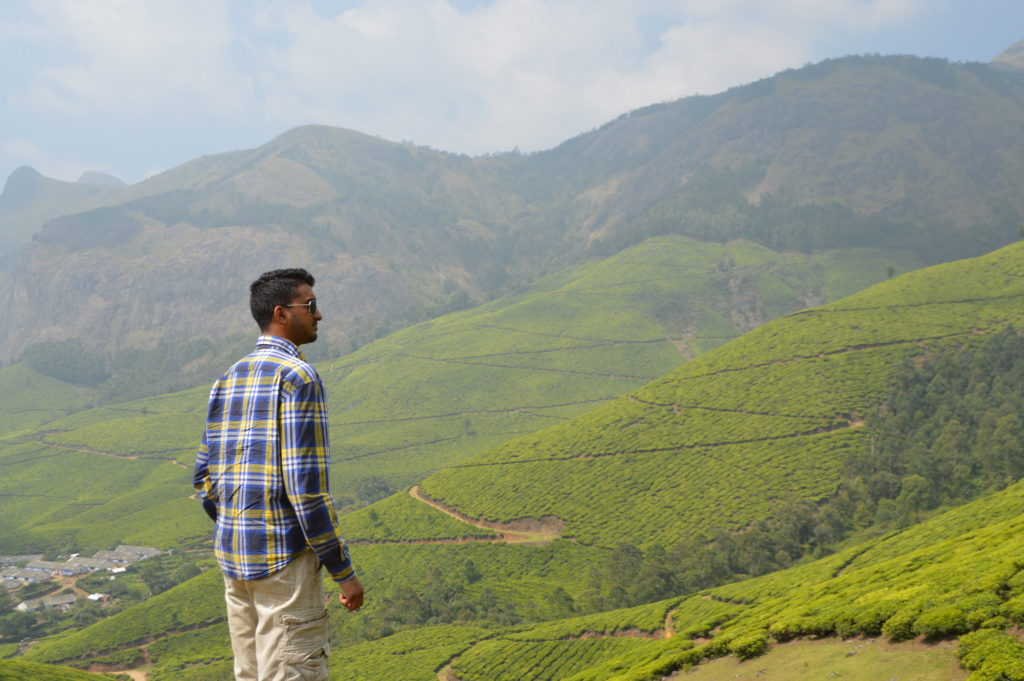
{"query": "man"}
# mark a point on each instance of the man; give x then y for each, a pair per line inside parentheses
(261, 474)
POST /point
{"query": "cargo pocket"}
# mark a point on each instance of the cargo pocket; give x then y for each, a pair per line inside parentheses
(305, 650)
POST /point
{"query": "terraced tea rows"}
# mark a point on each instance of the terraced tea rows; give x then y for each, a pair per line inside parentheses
(421, 399)
(767, 416)
(964, 576)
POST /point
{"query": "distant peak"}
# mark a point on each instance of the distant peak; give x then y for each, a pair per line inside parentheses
(21, 185)
(99, 177)
(1012, 56)
(24, 173)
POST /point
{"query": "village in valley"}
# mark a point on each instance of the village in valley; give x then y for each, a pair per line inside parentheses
(55, 582)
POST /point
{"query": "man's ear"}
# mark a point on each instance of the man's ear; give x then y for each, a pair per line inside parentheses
(280, 314)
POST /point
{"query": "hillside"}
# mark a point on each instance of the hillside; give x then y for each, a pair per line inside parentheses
(719, 442)
(884, 152)
(957, 575)
(421, 399)
(790, 396)
(1011, 57)
(28, 200)
(855, 151)
(17, 670)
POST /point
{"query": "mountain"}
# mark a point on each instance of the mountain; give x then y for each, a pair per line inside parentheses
(721, 441)
(888, 152)
(99, 177)
(423, 398)
(714, 445)
(29, 200)
(858, 139)
(1011, 57)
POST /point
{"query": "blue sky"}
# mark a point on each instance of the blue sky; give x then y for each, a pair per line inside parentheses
(134, 87)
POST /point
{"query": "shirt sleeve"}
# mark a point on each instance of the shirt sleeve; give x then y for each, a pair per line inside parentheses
(201, 480)
(304, 459)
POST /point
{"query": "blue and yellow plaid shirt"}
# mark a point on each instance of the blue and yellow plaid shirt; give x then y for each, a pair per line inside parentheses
(262, 466)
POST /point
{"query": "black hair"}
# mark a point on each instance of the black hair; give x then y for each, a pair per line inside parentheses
(274, 288)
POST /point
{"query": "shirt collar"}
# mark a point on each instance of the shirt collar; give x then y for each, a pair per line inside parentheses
(282, 344)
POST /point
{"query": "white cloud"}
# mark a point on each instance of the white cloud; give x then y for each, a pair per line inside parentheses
(533, 72)
(509, 72)
(132, 59)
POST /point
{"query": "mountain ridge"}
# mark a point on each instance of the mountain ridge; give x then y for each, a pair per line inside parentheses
(831, 155)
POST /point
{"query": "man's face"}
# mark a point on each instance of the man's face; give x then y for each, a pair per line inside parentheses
(301, 322)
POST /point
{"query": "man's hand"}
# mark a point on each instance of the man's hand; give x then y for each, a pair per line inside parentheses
(351, 595)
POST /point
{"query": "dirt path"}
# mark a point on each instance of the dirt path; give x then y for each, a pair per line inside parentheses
(529, 530)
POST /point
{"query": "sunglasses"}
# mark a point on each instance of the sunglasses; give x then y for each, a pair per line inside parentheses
(311, 305)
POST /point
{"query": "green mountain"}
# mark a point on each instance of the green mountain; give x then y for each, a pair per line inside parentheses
(954, 576)
(29, 200)
(540, 484)
(421, 399)
(769, 416)
(885, 152)
(719, 442)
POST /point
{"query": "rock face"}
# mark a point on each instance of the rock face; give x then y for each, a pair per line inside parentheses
(891, 152)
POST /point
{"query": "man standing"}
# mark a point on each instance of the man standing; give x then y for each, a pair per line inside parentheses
(261, 474)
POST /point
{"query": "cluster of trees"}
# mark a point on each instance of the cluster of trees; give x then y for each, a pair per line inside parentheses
(950, 430)
(712, 206)
(133, 373)
(450, 597)
(16, 625)
(67, 360)
(102, 227)
(633, 576)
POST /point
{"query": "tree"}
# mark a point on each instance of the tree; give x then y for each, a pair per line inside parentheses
(17, 625)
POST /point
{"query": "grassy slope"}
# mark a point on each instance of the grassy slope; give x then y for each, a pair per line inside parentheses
(187, 620)
(946, 562)
(18, 670)
(962, 565)
(851, 660)
(951, 575)
(723, 437)
(28, 400)
(438, 392)
(429, 396)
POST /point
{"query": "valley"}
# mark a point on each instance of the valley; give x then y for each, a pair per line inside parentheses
(717, 389)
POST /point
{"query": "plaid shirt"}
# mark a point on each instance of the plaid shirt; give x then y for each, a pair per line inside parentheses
(262, 466)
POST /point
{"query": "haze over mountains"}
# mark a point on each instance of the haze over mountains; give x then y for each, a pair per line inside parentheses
(891, 152)
(622, 372)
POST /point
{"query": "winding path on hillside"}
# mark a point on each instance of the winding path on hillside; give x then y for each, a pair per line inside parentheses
(530, 531)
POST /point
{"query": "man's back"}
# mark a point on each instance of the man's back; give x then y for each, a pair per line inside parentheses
(261, 474)
(263, 463)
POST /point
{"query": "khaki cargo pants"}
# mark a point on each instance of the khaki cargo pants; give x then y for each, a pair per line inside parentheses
(278, 623)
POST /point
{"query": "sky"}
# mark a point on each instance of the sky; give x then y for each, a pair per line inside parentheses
(135, 87)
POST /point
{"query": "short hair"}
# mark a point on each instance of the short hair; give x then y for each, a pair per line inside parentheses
(274, 288)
